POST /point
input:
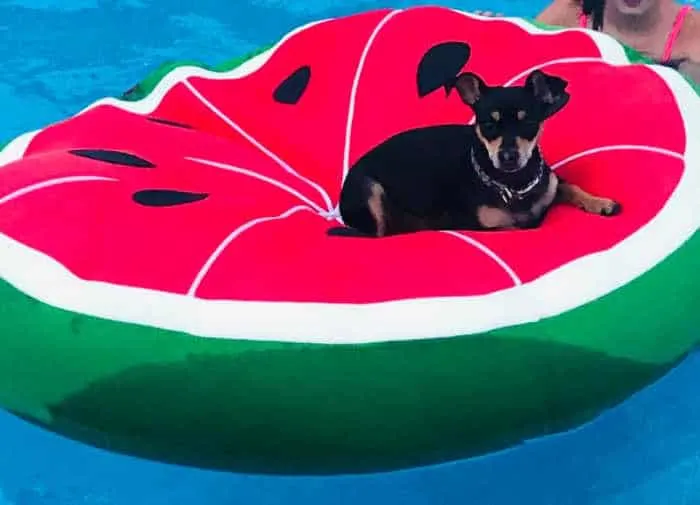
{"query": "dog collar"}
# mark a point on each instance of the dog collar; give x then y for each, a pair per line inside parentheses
(507, 193)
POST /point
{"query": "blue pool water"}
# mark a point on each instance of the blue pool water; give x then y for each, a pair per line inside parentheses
(58, 55)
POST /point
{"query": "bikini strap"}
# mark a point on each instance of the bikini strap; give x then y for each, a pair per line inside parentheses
(675, 31)
(583, 20)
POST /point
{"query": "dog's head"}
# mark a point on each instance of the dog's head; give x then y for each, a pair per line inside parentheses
(509, 119)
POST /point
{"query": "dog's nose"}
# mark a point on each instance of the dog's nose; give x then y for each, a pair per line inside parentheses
(508, 156)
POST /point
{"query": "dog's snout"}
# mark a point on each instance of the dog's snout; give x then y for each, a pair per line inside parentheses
(508, 156)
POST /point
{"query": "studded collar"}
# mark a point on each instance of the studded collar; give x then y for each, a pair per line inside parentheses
(507, 193)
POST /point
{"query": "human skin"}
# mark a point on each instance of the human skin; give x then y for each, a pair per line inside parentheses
(641, 24)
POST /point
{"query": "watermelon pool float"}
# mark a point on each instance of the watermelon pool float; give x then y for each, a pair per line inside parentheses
(170, 290)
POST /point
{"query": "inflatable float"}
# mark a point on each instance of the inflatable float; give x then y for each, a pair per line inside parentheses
(169, 289)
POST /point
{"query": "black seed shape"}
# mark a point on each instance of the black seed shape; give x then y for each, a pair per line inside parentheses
(292, 88)
(440, 65)
(113, 157)
(166, 197)
(168, 122)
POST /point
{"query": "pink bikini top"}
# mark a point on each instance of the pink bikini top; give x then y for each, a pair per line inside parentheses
(672, 36)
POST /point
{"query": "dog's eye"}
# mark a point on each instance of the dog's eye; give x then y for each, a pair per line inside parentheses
(529, 128)
(489, 129)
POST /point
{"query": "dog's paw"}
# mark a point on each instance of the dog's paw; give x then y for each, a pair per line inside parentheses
(602, 206)
(610, 208)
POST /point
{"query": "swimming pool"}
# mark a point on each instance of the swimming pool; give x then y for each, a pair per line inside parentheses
(59, 55)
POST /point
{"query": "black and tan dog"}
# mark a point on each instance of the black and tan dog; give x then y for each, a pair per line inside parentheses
(487, 176)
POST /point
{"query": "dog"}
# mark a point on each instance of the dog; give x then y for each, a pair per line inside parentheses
(460, 177)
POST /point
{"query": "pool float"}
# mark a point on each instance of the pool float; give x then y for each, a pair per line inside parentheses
(170, 290)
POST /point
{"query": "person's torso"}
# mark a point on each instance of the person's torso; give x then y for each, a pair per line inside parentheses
(668, 42)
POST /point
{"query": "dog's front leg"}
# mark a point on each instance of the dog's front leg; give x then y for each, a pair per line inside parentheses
(376, 204)
(495, 218)
(574, 195)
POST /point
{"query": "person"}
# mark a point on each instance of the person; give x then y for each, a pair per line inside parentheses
(664, 30)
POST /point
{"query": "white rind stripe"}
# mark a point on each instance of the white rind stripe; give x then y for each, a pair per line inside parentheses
(488, 252)
(16, 148)
(230, 238)
(53, 182)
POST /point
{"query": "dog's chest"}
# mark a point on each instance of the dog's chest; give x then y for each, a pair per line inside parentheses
(500, 217)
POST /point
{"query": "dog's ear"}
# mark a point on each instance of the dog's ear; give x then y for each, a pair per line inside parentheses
(470, 87)
(549, 90)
